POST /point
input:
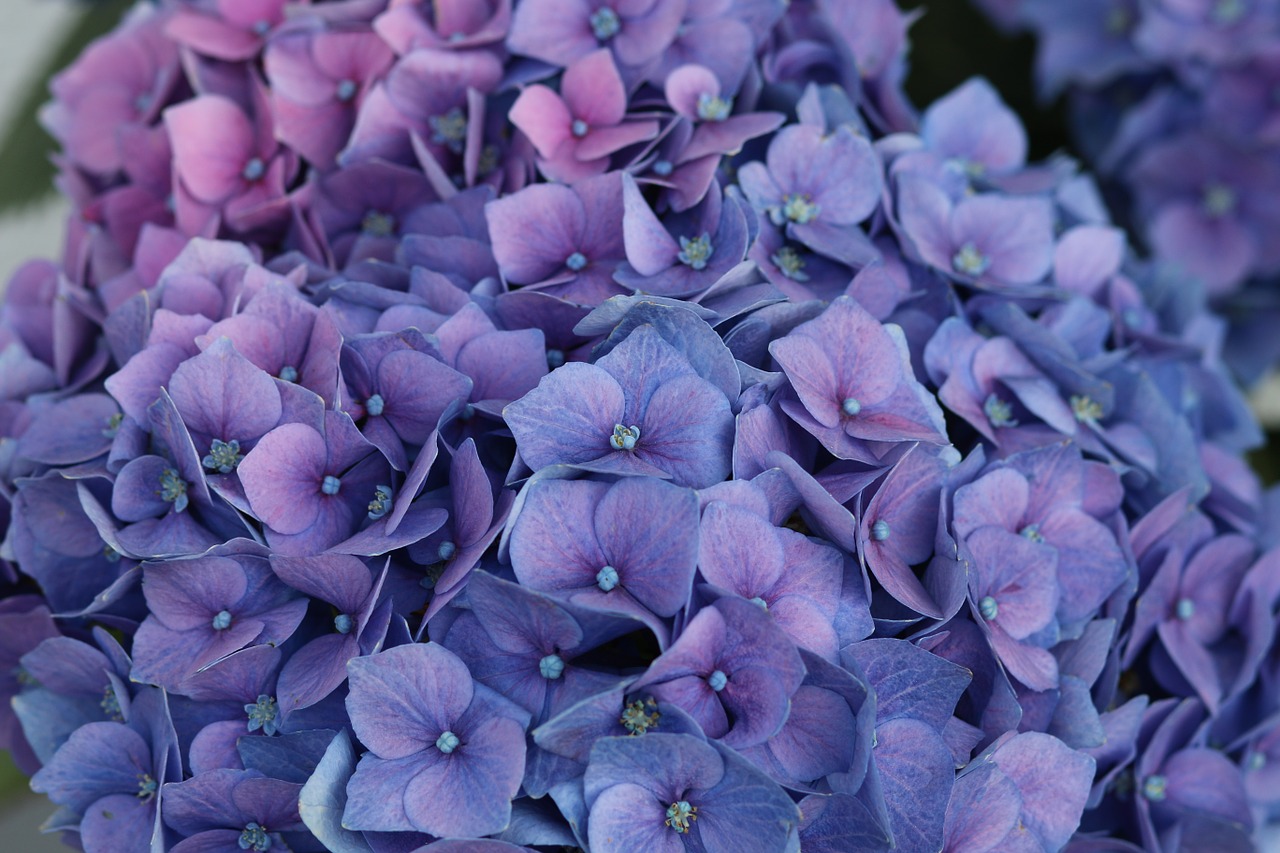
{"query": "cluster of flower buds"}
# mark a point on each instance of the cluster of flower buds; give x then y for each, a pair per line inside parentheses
(478, 425)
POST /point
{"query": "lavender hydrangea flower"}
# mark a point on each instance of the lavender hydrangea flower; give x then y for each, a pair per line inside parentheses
(862, 391)
(641, 409)
(446, 754)
(228, 810)
(642, 567)
(676, 792)
(560, 31)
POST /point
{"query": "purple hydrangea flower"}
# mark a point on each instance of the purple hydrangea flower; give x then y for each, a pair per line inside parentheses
(446, 754)
(673, 793)
(641, 409)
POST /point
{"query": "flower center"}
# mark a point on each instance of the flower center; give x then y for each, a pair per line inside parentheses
(579, 128)
(717, 680)
(764, 605)
(790, 263)
(378, 224)
(147, 787)
(113, 425)
(450, 130)
(605, 23)
(263, 714)
(713, 107)
(637, 719)
(346, 90)
(607, 578)
(1219, 200)
(381, 503)
(880, 530)
(288, 373)
(797, 208)
(255, 838)
(624, 438)
(970, 261)
(551, 667)
(662, 168)
(374, 405)
(576, 262)
(223, 456)
(1154, 787)
(1032, 532)
(1085, 409)
(555, 358)
(998, 412)
(447, 742)
(988, 608)
(446, 550)
(1186, 608)
(222, 620)
(679, 814)
(696, 252)
(330, 485)
(254, 170)
(260, 28)
(110, 704)
(343, 623)
(173, 489)
(850, 406)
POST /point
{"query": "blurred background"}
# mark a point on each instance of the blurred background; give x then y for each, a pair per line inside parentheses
(38, 37)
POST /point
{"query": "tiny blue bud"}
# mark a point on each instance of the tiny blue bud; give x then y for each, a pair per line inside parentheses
(797, 208)
(988, 608)
(289, 373)
(254, 170)
(446, 550)
(662, 168)
(970, 261)
(717, 680)
(374, 405)
(624, 438)
(880, 530)
(551, 667)
(343, 623)
(147, 787)
(1032, 532)
(1153, 787)
(447, 742)
(850, 406)
(607, 578)
(696, 252)
(1256, 761)
(679, 814)
(790, 263)
(605, 23)
(261, 27)
(263, 714)
(173, 489)
(222, 620)
(330, 485)
(579, 128)
(1186, 609)
(381, 503)
(998, 412)
(714, 108)
(576, 262)
(255, 838)
(761, 602)
(223, 456)
(346, 90)
(555, 358)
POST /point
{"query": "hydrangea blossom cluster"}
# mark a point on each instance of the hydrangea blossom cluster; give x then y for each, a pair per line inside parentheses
(1175, 104)
(616, 426)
